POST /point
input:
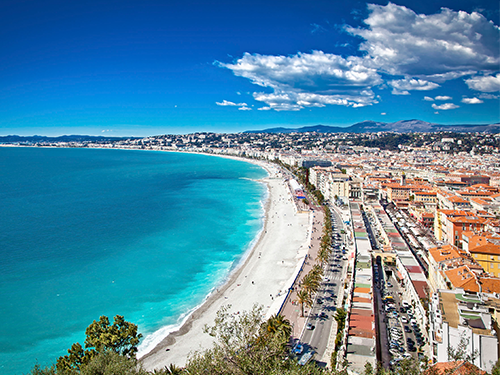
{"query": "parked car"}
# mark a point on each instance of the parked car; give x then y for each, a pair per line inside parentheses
(298, 349)
(309, 326)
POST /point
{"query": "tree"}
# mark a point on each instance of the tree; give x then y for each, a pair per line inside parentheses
(460, 353)
(311, 283)
(121, 337)
(304, 298)
(244, 344)
(277, 325)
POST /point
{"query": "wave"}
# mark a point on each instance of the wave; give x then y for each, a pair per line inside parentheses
(155, 338)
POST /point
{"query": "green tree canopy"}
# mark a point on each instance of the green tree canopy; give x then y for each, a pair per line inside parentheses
(121, 337)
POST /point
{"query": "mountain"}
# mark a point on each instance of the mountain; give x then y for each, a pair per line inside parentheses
(404, 126)
(63, 138)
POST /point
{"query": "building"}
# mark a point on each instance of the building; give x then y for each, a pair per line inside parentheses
(485, 249)
(459, 319)
(475, 179)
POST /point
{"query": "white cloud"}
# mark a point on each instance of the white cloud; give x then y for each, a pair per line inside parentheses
(295, 101)
(423, 49)
(264, 108)
(383, 113)
(451, 43)
(472, 101)
(445, 106)
(489, 96)
(428, 99)
(402, 86)
(443, 98)
(312, 79)
(225, 103)
(484, 83)
(244, 108)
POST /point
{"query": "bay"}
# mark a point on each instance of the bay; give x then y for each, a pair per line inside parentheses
(91, 232)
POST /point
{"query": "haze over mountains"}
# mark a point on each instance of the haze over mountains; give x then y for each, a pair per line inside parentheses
(404, 126)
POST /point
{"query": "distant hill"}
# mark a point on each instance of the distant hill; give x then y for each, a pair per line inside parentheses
(404, 126)
(63, 138)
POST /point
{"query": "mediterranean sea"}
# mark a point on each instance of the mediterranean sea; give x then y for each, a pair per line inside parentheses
(90, 232)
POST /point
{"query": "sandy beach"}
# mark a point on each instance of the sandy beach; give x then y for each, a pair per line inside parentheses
(264, 277)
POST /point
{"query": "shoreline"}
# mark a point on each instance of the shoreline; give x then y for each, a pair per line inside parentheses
(272, 260)
(257, 279)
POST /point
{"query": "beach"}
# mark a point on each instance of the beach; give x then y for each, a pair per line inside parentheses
(264, 277)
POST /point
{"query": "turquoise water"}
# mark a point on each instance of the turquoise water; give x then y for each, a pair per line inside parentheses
(85, 233)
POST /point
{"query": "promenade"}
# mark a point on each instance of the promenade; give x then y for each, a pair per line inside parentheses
(291, 309)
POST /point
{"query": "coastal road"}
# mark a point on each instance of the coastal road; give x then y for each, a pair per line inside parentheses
(321, 316)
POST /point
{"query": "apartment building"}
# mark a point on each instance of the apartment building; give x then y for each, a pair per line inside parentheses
(458, 319)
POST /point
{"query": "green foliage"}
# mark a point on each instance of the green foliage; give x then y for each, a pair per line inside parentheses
(496, 369)
(368, 369)
(121, 338)
(37, 370)
(109, 362)
(247, 345)
(304, 298)
(460, 353)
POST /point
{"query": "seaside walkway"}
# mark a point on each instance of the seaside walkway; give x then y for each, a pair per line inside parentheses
(291, 309)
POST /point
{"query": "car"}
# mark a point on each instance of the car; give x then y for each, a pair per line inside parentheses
(322, 315)
(404, 320)
(298, 349)
(412, 349)
(320, 301)
(309, 326)
(389, 284)
(408, 329)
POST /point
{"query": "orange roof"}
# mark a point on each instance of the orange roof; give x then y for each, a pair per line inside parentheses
(443, 253)
(467, 220)
(426, 193)
(462, 277)
(490, 284)
(489, 248)
(455, 368)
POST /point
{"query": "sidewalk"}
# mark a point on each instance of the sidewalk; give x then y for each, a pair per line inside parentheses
(292, 310)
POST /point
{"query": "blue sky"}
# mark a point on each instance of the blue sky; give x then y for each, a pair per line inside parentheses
(140, 68)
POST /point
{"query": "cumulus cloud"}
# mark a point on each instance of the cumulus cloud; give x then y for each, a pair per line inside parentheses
(472, 101)
(412, 52)
(244, 108)
(445, 106)
(402, 42)
(428, 99)
(309, 79)
(443, 98)
(484, 83)
(225, 103)
(402, 86)
(489, 96)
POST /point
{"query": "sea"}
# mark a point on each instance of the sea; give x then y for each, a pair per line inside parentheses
(91, 232)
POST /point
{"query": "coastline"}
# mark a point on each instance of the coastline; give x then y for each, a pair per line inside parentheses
(263, 276)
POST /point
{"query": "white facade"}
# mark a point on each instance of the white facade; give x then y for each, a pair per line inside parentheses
(481, 343)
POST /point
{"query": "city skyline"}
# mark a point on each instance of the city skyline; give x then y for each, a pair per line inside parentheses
(144, 68)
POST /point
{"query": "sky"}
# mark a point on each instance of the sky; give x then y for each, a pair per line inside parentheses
(139, 68)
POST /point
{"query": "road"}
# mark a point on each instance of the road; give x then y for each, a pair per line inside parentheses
(327, 298)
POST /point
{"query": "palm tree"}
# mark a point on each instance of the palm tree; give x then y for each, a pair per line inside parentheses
(278, 325)
(317, 270)
(303, 297)
(323, 255)
(310, 283)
